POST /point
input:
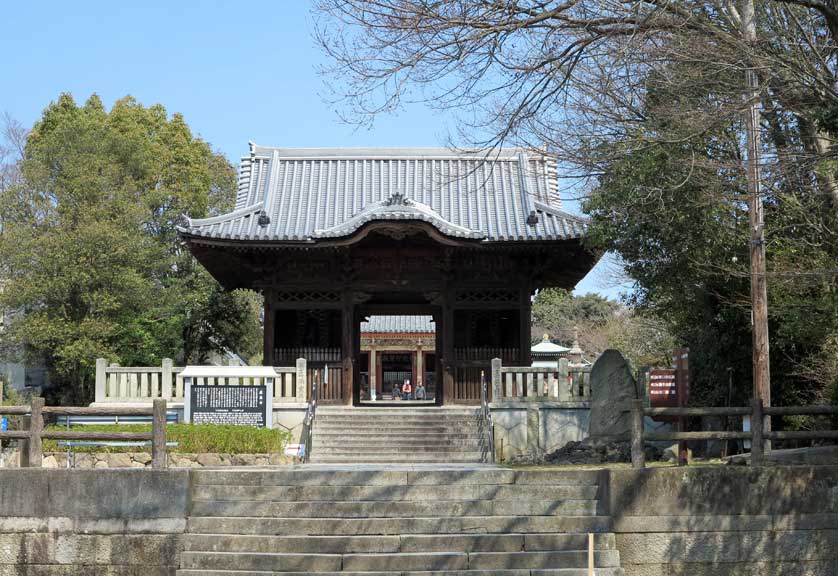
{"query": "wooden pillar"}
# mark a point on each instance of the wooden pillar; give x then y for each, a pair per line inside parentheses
(268, 338)
(420, 366)
(448, 347)
(525, 313)
(372, 369)
(36, 428)
(347, 347)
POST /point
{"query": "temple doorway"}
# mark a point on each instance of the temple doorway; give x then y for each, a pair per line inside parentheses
(397, 363)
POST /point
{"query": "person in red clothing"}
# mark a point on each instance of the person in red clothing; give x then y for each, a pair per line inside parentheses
(407, 391)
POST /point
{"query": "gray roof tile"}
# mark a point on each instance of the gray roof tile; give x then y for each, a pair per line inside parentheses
(399, 324)
(318, 193)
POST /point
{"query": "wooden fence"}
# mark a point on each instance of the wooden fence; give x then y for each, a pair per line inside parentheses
(566, 383)
(136, 384)
(756, 435)
(32, 454)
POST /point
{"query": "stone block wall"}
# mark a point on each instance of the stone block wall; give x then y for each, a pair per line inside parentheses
(714, 521)
(69, 522)
(526, 431)
(99, 460)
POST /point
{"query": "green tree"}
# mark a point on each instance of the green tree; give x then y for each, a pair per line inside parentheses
(599, 324)
(89, 253)
(673, 206)
(558, 311)
(642, 104)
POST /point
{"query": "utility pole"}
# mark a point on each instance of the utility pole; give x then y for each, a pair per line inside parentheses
(759, 293)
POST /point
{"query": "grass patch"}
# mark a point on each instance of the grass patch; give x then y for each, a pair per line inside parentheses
(191, 439)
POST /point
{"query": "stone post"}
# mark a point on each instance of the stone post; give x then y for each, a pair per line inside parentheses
(638, 456)
(533, 432)
(302, 385)
(166, 379)
(565, 394)
(158, 434)
(101, 380)
(497, 380)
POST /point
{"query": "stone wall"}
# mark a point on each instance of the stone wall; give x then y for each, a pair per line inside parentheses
(84, 460)
(698, 521)
(525, 431)
(713, 521)
(115, 522)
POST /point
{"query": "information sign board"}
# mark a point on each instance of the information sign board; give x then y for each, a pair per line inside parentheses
(236, 405)
(663, 390)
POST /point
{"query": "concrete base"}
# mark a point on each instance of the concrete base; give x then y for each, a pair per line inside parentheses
(529, 430)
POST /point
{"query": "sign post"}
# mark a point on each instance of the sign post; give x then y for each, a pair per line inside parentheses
(680, 360)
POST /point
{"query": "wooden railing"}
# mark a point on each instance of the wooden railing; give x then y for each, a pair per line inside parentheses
(141, 384)
(32, 454)
(565, 383)
(756, 435)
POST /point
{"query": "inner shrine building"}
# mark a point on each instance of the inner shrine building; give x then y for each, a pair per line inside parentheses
(334, 238)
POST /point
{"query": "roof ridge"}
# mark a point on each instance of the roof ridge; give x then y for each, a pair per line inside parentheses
(376, 152)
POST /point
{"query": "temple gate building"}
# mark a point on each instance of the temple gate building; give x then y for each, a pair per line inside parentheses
(334, 237)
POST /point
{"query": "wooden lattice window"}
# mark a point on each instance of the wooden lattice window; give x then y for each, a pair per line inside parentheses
(305, 296)
(492, 296)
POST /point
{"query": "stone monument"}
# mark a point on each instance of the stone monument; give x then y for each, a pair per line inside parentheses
(612, 388)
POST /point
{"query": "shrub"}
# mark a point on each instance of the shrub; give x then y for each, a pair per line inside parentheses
(191, 438)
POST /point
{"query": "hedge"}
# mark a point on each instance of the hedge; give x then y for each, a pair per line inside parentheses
(191, 439)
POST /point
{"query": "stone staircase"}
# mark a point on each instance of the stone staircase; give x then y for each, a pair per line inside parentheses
(387, 521)
(379, 435)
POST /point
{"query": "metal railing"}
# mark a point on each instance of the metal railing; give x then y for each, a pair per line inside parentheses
(757, 434)
(485, 425)
(32, 454)
(307, 435)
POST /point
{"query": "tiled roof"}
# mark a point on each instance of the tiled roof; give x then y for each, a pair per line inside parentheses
(399, 324)
(305, 195)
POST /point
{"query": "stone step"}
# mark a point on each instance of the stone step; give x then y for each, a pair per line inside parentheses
(397, 509)
(404, 419)
(396, 526)
(401, 458)
(376, 434)
(391, 544)
(394, 493)
(402, 561)
(385, 447)
(395, 476)
(393, 448)
(394, 428)
(511, 572)
(400, 409)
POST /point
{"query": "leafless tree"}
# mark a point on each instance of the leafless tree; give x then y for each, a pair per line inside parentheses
(571, 75)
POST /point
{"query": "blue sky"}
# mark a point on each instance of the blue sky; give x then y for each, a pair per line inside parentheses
(236, 71)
